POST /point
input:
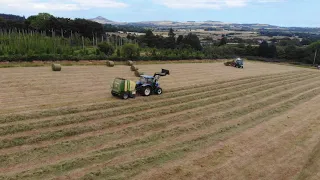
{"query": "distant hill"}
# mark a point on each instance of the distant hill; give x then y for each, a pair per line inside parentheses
(102, 20)
(208, 24)
(12, 17)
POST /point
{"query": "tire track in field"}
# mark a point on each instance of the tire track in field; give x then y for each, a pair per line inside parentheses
(311, 168)
(264, 114)
(172, 151)
(64, 121)
(116, 103)
(19, 148)
(50, 136)
(229, 157)
(12, 149)
(173, 125)
(206, 90)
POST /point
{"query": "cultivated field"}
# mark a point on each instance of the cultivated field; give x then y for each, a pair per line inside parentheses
(212, 122)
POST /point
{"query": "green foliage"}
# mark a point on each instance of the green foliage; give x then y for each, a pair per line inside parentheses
(39, 21)
(27, 46)
(106, 48)
(124, 28)
(223, 41)
(130, 51)
(315, 45)
(118, 53)
(192, 40)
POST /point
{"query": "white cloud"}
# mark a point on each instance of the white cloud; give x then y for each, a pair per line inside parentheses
(59, 5)
(209, 4)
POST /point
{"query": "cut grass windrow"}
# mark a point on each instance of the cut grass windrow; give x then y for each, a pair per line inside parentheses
(312, 165)
(9, 159)
(179, 148)
(11, 129)
(169, 94)
(64, 111)
(262, 104)
(153, 125)
(164, 111)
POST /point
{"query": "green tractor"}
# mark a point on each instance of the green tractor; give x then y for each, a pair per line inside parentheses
(123, 88)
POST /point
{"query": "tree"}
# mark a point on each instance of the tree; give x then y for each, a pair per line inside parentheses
(130, 51)
(106, 48)
(179, 39)
(171, 40)
(171, 34)
(223, 41)
(315, 47)
(290, 52)
(3, 22)
(305, 42)
(192, 41)
(39, 21)
(264, 49)
(272, 51)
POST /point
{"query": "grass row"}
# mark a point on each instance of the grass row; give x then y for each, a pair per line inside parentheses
(225, 105)
(169, 94)
(167, 110)
(182, 147)
(10, 129)
(180, 150)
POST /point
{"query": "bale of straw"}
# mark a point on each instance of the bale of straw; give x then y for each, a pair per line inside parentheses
(129, 63)
(137, 73)
(110, 63)
(134, 68)
(56, 67)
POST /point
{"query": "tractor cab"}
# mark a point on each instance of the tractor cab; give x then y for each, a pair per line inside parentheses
(238, 63)
(149, 84)
(146, 80)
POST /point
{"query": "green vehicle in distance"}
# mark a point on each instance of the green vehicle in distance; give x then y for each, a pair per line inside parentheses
(123, 88)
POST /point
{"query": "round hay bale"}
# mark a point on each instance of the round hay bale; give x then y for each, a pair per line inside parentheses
(134, 68)
(130, 63)
(137, 73)
(110, 63)
(56, 67)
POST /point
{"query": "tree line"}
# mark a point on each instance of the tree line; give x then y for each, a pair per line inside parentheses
(45, 37)
(48, 24)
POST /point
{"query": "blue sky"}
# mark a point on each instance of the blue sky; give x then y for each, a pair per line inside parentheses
(275, 12)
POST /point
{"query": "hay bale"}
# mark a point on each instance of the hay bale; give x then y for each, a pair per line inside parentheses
(138, 74)
(129, 63)
(134, 68)
(110, 63)
(56, 67)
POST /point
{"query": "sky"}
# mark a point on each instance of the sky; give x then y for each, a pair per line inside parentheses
(297, 13)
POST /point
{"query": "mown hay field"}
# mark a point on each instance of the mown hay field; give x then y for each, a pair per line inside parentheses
(211, 122)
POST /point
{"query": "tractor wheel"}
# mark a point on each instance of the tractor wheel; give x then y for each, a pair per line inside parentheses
(147, 91)
(125, 96)
(158, 91)
(113, 94)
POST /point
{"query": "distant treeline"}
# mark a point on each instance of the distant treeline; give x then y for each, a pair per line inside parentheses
(305, 35)
(12, 17)
(66, 27)
(124, 28)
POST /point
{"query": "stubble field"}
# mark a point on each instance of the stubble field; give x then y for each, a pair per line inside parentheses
(211, 122)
